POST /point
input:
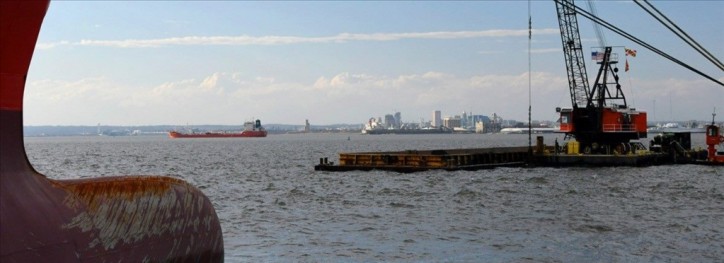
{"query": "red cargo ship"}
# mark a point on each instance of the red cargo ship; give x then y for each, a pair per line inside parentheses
(251, 129)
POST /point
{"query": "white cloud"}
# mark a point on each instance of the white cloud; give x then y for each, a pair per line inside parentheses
(227, 98)
(288, 40)
(677, 99)
(91, 89)
(210, 82)
(51, 45)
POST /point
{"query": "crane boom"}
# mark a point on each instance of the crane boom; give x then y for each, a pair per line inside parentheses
(573, 52)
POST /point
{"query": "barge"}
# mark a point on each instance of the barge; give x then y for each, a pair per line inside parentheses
(415, 161)
(665, 149)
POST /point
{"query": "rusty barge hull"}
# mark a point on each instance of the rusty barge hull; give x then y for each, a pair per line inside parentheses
(411, 169)
(482, 158)
(578, 160)
(415, 161)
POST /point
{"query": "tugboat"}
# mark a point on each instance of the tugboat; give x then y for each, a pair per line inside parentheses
(714, 138)
(251, 129)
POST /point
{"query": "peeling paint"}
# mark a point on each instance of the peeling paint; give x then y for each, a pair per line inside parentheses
(135, 208)
(109, 219)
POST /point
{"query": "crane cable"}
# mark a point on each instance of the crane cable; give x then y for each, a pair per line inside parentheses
(680, 33)
(602, 43)
(596, 27)
(638, 41)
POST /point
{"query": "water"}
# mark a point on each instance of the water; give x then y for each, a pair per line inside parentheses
(274, 207)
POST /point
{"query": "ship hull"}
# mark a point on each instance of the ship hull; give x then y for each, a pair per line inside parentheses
(100, 219)
(176, 135)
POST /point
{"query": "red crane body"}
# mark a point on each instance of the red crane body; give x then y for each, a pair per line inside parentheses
(600, 119)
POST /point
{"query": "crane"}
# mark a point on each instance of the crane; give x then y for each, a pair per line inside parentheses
(599, 119)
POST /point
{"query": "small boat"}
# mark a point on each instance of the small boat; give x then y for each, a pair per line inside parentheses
(251, 129)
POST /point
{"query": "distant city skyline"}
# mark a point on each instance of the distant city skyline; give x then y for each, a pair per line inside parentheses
(147, 63)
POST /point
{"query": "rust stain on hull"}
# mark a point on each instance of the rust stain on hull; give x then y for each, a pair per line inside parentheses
(111, 219)
(123, 210)
(107, 219)
(89, 191)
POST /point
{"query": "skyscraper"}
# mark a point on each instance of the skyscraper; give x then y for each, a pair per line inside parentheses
(398, 120)
(436, 119)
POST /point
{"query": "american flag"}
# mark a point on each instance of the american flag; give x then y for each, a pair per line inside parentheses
(630, 52)
(595, 55)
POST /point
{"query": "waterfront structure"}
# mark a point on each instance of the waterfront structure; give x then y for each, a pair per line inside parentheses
(398, 120)
(393, 125)
(467, 122)
(479, 127)
(436, 119)
(390, 122)
(452, 122)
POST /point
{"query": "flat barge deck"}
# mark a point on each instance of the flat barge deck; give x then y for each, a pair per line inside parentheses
(482, 158)
(414, 160)
(487, 158)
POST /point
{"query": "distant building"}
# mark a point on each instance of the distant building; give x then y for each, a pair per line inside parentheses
(475, 121)
(389, 121)
(452, 122)
(495, 125)
(480, 127)
(398, 120)
(436, 119)
(470, 121)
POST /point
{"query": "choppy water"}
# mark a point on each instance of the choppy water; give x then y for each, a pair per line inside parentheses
(274, 207)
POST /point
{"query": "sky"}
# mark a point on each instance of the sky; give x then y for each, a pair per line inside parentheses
(332, 62)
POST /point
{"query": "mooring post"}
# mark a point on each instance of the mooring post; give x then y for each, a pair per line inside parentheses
(539, 146)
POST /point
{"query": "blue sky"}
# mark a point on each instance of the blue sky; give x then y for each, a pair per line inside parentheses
(145, 63)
